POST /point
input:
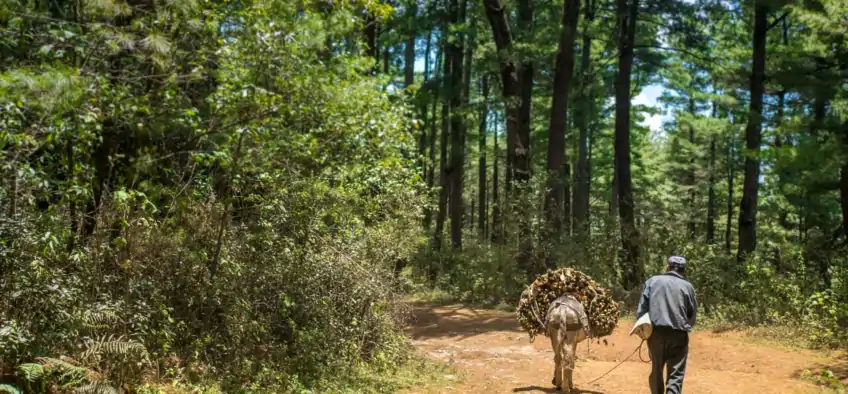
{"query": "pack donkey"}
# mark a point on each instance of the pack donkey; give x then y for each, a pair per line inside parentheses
(567, 325)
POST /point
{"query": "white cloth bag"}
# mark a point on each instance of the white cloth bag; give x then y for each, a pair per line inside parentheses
(643, 327)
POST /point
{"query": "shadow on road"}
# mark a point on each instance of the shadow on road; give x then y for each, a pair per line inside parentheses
(551, 390)
(838, 366)
(436, 322)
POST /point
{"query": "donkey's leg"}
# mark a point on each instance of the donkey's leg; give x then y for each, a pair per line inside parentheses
(562, 338)
(570, 349)
(556, 344)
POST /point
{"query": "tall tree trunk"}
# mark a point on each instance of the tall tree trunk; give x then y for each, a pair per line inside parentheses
(692, 225)
(843, 181)
(781, 96)
(521, 165)
(781, 105)
(482, 201)
(431, 176)
(819, 112)
(711, 195)
(370, 37)
(711, 202)
(409, 48)
(447, 89)
(815, 261)
(843, 195)
(522, 149)
(633, 271)
(748, 205)
(457, 125)
(728, 232)
(409, 79)
(784, 173)
(496, 203)
(103, 168)
(589, 172)
(557, 158)
(816, 127)
(783, 213)
(502, 36)
(613, 204)
(581, 173)
(409, 62)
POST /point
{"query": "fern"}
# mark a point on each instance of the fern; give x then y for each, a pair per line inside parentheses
(96, 388)
(99, 320)
(69, 369)
(114, 346)
(8, 388)
(157, 44)
(32, 371)
(62, 362)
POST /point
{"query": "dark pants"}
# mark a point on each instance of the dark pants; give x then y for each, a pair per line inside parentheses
(668, 348)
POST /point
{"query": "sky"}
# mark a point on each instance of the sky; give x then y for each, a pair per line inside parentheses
(650, 96)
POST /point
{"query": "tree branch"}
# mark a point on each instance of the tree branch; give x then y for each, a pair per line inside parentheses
(778, 20)
(696, 56)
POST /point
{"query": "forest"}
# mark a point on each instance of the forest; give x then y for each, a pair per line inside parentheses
(243, 196)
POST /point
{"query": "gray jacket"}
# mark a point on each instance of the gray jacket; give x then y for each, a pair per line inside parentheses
(671, 301)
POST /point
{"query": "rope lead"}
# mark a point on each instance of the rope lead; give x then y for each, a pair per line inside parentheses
(638, 349)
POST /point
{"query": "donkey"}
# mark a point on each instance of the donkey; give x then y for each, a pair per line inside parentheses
(567, 325)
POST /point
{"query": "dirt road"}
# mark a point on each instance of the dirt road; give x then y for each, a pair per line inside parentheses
(493, 355)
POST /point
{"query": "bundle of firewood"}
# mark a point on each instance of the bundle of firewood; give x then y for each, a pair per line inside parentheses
(600, 308)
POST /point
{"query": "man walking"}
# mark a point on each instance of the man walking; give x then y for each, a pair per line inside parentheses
(670, 300)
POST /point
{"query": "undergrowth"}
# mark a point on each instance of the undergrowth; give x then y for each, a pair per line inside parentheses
(412, 372)
(236, 227)
(763, 297)
(826, 378)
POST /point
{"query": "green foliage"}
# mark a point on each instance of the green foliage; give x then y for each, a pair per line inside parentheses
(7, 388)
(102, 365)
(113, 346)
(95, 388)
(200, 193)
(31, 371)
(827, 379)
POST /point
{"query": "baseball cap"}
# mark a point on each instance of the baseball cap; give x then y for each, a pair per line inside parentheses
(677, 261)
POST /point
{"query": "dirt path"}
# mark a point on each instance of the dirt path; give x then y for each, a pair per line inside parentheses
(494, 356)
